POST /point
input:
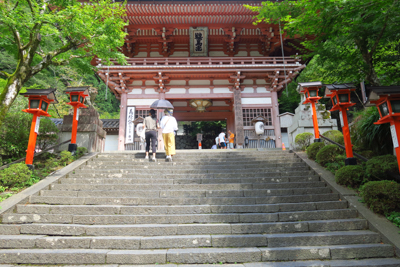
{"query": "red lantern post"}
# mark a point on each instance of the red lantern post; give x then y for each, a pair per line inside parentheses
(310, 91)
(340, 96)
(39, 101)
(387, 99)
(77, 98)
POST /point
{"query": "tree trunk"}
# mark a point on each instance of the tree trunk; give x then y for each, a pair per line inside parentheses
(9, 94)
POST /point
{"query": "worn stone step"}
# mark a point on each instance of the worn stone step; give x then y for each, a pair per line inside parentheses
(112, 192)
(148, 170)
(258, 181)
(182, 229)
(216, 166)
(55, 197)
(382, 262)
(189, 255)
(305, 174)
(225, 186)
(105, 215)
(176, 209)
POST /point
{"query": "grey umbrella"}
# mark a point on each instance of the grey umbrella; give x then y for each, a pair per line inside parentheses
(161, 104)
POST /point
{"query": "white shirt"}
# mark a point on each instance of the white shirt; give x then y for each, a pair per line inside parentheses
(221, 137)
(169, 124)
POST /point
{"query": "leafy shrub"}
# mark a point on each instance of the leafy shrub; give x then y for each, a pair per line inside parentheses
(351, 175)
(16, 174)
(80, 152)
(382, 197)
(334, 135)
(313, 149)
(328, 154)
(303, 140)
(394, 217)
(337, 164)
(66, 158)
(377, 168)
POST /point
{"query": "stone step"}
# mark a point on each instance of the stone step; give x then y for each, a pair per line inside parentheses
(258, 181)
(176, 209)
(181, 168)
(191, 255)
(149, 170)
(212, 164)
(51, 197)
(110, 191)
(129, 174)
(226, 186)
(189, 241)
(104, 215)
(183, 229)
(382, 262)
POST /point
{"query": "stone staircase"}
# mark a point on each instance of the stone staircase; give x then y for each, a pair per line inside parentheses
(256, 208)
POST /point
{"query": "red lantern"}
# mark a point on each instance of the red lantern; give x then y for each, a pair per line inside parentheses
(387, 99)
(77, 97)
(340, 97)
(39, 100)
(310, 91)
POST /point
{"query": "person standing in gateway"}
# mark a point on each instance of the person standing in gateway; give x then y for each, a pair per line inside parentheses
(222, 142)
(169, 125)
(150, 125)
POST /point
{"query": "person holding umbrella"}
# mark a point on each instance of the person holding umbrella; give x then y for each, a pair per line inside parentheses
(169, 125)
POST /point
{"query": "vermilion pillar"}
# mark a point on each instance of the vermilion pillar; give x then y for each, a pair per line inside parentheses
(315, 120)
(30, 152)
(346, 133)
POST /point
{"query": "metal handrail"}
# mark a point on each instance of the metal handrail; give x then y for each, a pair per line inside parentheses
(343, 147)
(35, 155)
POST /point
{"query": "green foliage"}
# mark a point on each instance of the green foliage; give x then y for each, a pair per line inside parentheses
(80, 152)
(377, 168)
(351, 175)
(303, 140)
(289, 99)
(313, 149)
(16, 174)
(359, 50)
(337, 164)
(48, 134)
(369, 136)
(334, 135)
(382, 197)
(394, 217)
(44, 34)
(66, 158)
(328, 154)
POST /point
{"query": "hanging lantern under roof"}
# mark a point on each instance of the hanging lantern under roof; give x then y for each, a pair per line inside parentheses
(200, 104)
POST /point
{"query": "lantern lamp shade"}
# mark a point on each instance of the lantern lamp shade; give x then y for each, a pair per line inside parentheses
(395, 106)
(334, 99)
(344, 98)
(82, 89)
(384, 109)
(44, 105)
(74, 98)
(313, 92)
(34, 103)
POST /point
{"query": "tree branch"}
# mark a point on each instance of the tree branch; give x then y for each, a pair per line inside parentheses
(373, 49)
(4, 74)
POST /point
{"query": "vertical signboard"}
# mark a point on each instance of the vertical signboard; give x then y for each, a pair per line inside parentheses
(198, 41)
(130, 127)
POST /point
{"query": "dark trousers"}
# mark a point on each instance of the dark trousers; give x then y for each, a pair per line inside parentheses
(153, 136)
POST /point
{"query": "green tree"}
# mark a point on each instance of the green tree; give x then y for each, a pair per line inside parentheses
(44, 33)
(352, 38)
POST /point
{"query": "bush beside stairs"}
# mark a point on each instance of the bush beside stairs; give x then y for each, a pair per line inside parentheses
(251, 208)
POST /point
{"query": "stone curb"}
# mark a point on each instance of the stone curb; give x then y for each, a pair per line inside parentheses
(24, 195)
(378, 223)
